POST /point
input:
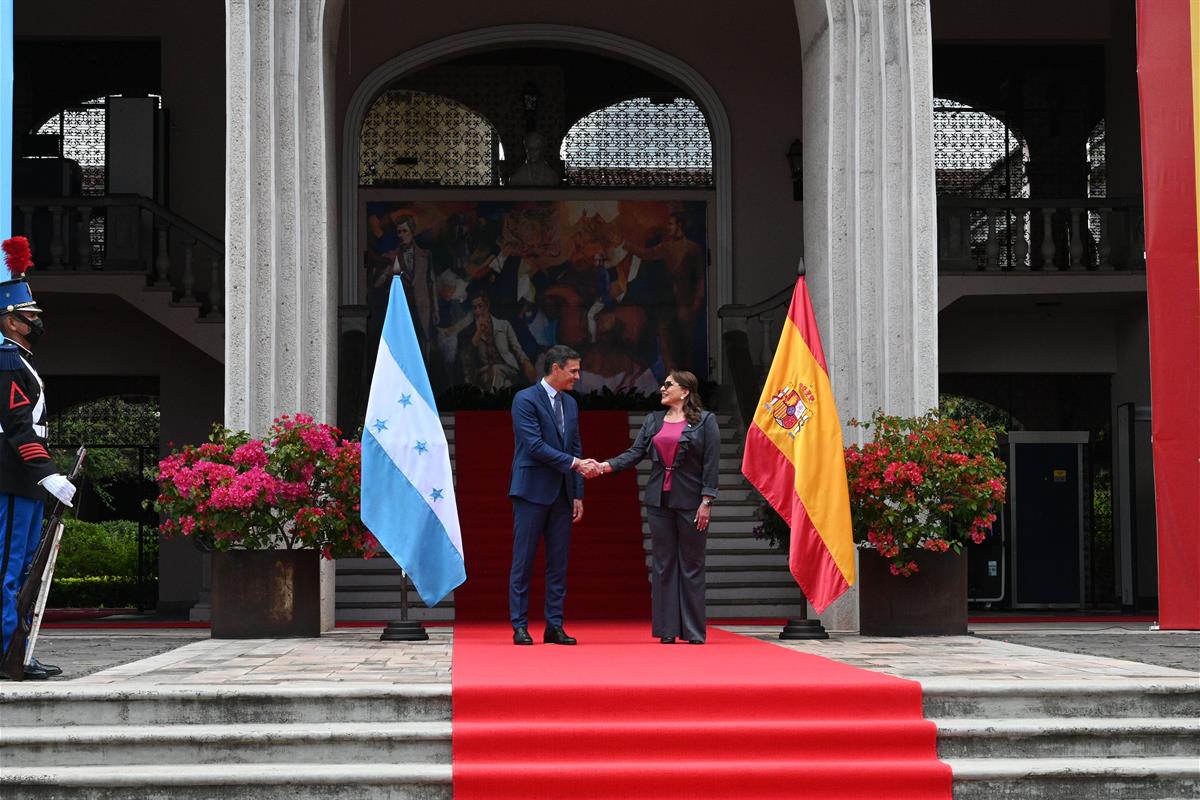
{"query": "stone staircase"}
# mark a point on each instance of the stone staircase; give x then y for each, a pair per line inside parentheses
(746, 578)
(1131, 739)
(161, 743)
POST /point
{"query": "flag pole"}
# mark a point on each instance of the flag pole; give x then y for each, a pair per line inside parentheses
(404, 629)
(801, 627)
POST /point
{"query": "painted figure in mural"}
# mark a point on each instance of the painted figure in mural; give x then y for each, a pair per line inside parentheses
(397, 253)
(684, 263)
(535, 171)
(27, 473)
(491, 355)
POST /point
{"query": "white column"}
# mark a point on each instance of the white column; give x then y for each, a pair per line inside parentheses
(869, 207)
(280, 276)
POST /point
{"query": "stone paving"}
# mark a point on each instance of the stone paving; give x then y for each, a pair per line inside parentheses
(353, 655)
(356, 656)
(955, 658)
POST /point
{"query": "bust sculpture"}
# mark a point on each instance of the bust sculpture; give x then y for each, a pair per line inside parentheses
(535, 171)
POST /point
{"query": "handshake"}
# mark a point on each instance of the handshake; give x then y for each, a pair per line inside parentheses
(590, 467)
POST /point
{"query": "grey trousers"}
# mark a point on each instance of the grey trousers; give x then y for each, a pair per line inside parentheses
(677, 574)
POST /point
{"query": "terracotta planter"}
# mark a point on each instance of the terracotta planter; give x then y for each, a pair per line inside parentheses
(266, 594)
(933, 602)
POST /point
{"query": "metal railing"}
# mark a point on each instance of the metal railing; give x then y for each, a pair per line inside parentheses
(1037, 235)
(122, 233)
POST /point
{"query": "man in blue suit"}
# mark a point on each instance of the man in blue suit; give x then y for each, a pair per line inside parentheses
(546, 490)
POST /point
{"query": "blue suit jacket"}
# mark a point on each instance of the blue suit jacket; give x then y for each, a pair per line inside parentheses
(541, 458)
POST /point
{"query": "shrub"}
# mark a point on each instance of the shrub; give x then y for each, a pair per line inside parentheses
(94, 591)
(296, 488)
(91, 549)
(927, 483)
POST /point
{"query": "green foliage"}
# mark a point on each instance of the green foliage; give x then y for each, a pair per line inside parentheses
(97, 591)
(472, 398)
(112, 428)
(965, 409)
(772, 528)
(92, 549)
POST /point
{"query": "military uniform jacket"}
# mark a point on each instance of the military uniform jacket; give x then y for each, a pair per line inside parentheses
(24, 459)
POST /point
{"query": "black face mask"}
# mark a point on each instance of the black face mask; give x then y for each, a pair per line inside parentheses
(36, 328)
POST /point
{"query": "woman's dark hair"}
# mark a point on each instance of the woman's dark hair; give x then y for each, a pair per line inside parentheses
(692, 405)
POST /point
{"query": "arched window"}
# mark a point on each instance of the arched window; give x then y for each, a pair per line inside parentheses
(82, 132)
(416, 138)
(976, 154)
(640, 142)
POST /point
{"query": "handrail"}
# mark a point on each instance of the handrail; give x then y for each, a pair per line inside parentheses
(958, 201)
(125, 201)
(742, 310)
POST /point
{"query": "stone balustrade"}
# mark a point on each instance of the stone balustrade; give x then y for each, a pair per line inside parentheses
(127, 233)
(1032, 235)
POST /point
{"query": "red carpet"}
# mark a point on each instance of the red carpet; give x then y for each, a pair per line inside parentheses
(622, 716)
(607, 577)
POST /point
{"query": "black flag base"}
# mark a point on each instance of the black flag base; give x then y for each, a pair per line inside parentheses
(802, 628)
(405, 630)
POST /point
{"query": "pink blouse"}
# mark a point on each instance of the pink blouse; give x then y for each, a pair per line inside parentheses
(666, 441)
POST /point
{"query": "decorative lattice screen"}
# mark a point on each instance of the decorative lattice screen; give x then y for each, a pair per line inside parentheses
(416, 138)
(640, 142)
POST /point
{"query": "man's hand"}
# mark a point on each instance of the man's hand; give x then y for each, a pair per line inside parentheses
(577, 511)
(60, 487)
(587, 467)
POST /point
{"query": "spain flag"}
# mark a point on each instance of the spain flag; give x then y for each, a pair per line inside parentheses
(1169, 88)
(795, 458)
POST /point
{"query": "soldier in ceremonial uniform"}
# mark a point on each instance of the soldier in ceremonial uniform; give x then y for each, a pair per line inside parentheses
(26, 472)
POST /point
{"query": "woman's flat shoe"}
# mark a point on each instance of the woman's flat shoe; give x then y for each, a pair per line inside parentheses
(667, 640)
(695, 641)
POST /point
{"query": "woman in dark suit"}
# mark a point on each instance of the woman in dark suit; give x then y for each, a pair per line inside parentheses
(684, 446)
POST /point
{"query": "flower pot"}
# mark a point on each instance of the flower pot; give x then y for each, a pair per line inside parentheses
(931, 602)
(266, 594)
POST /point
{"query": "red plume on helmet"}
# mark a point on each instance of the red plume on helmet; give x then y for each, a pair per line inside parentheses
(17, 256)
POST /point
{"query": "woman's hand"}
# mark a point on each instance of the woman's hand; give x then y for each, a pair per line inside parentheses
(702, 515)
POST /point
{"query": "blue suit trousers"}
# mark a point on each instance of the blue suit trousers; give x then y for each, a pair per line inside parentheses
(20, 532)
(533, 522)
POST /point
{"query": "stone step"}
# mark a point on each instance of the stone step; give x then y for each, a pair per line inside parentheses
(761, 608)
(998, 699)
(1092, 778)
(418, 612)
(358, 779)
(1093, 737)
(25, 706)
(352, 588)
(254, 743)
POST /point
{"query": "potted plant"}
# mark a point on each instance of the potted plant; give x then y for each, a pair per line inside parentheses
(920, 489)
(269, 509)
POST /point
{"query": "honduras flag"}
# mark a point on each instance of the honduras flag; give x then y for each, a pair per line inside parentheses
(407, 486)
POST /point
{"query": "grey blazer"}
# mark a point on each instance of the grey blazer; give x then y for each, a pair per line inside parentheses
(697, 464)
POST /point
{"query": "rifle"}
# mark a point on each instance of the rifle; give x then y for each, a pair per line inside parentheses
(36, 588)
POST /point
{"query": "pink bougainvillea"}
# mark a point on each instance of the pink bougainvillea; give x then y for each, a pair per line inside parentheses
(298, 487)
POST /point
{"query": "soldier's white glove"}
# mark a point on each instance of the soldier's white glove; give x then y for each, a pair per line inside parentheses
(60, 487)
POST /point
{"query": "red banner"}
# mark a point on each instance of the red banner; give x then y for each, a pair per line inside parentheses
(1169, 87)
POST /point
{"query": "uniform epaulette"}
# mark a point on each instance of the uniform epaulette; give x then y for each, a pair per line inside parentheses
(10, 357)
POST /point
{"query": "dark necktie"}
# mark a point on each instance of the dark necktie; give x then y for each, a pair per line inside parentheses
(558, 416)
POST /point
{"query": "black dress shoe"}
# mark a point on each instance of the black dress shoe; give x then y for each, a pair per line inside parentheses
(521, 636)
(50, 669)
(695, 641)
(556, 635)
(667, 640)
(36, 672)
